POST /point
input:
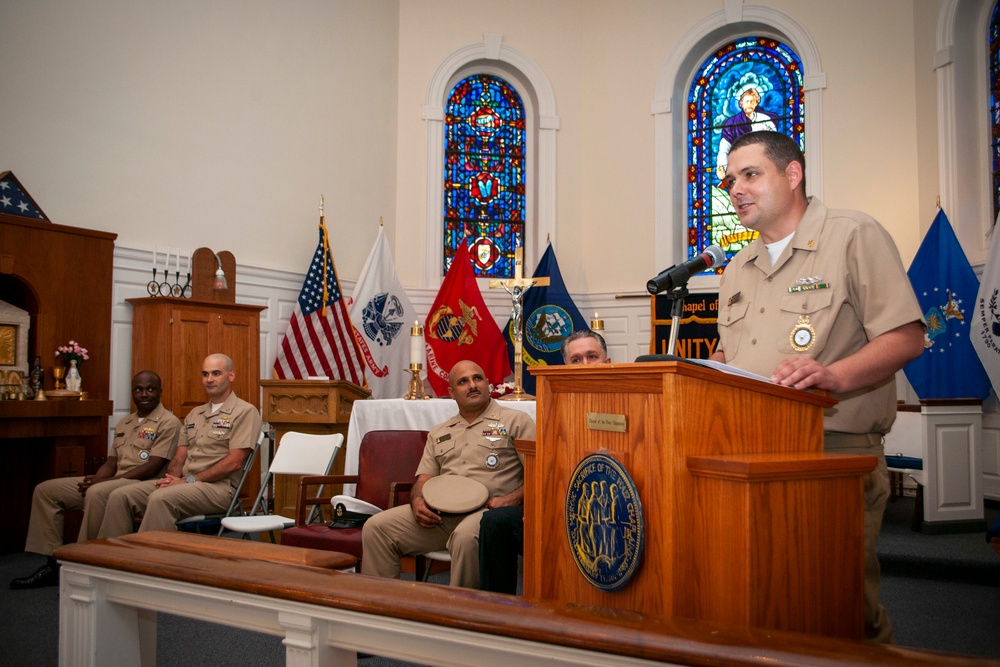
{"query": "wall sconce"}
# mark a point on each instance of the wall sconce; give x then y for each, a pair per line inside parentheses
(220, 276)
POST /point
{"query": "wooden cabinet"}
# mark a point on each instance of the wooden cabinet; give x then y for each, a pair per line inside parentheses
(63, 277)
(173, 336)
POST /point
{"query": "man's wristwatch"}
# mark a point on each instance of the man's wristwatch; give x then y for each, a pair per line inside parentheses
(191, 479)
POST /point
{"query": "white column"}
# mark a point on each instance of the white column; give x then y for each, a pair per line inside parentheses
(952, 437)
(93, 631)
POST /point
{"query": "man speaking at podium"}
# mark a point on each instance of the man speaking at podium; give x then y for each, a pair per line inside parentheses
(819, 301)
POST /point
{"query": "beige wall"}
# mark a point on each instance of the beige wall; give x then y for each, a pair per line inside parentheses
(191, 123)
(602, 59)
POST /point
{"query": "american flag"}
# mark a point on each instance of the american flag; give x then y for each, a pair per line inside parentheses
(319, 340)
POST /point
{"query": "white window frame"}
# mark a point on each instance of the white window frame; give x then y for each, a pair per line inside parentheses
(492, 56)
(735, 20)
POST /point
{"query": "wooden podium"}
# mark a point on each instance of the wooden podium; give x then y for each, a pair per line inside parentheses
(318, 407)
(746, 520)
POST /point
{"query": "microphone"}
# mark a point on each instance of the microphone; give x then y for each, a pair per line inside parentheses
(678, 274)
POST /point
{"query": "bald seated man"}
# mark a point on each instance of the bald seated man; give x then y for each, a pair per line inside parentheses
(501, 531)
(144, 441)
(202, 476)
(477, 443)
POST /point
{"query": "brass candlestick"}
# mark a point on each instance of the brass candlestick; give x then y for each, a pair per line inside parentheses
(416, 390)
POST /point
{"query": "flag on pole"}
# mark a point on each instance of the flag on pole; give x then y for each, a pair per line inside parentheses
(946, 288)
(459, 326)
(551, 316)
(319, 340)
(382, 314)
(986, 321)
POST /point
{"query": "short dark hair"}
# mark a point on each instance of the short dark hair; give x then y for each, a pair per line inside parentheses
(582, 333)
(779, 148)
(154, 376)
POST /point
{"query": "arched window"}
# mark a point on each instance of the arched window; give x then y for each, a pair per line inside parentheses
(484, 174)
(994, 50)
(752, 83)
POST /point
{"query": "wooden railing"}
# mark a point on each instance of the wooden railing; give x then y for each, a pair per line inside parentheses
(111, 587)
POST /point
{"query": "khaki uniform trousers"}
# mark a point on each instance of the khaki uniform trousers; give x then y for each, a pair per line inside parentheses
(161, 508)
(49, 503)
(878, 626)
(394, 533)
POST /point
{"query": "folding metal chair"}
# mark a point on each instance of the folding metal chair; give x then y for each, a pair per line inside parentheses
(297, 454)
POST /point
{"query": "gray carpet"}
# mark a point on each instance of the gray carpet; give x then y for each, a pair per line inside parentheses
(942, 592)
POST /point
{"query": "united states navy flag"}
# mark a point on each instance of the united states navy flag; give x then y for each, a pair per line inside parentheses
(550, 316)
(946, 288)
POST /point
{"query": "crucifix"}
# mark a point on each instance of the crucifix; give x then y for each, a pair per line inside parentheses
(516, 287)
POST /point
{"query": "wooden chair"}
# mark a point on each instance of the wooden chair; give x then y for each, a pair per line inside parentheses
(384, 457)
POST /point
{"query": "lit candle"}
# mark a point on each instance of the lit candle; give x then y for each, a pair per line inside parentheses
(597, 324)
(416, 345)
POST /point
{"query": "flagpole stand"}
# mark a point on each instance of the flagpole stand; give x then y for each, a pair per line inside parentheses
(416, 390)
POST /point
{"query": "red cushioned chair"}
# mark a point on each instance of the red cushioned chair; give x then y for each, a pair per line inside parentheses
(384, 458)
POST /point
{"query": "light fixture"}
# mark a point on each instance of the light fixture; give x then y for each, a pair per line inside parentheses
(220, 276)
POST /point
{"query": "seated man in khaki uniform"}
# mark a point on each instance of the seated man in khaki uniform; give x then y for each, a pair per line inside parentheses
(477, 443)
(144, 442)
(501, 531)
(202, 476)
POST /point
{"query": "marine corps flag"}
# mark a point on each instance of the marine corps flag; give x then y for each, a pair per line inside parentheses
(382, 317)
(550, 316)
(946, 287)
(459, 326)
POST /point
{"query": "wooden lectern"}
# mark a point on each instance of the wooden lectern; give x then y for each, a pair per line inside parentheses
(318, 407)
(746, 520)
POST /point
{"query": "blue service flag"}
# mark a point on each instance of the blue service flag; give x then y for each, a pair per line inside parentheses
(946, 289)
(550, 316)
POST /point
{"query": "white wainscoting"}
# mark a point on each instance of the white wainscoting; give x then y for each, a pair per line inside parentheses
(626, 320)
(627, 328)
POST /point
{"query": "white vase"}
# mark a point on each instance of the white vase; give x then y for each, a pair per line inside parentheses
(73, 380)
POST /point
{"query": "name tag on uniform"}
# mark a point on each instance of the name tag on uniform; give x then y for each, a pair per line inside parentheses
(443, 438)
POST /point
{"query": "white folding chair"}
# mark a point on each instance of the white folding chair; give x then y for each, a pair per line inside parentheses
(444, 556)
(297, 454)
(199, 523)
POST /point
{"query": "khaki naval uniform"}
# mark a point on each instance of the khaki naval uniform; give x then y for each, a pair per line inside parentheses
(838, 284)
(136, 440)
(482, 450)
(208, 437)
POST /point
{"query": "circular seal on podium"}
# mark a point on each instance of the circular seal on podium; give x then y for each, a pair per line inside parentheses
(604, 522)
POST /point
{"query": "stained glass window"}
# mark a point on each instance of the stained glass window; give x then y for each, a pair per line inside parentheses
(753, 83)
(484, 174)
(994, 46)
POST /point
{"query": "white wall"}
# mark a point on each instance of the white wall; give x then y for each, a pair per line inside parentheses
(219, 124)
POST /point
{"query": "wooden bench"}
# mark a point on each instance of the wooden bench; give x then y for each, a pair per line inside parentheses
(111, 589)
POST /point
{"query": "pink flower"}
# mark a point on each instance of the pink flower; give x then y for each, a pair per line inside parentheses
(73, 351)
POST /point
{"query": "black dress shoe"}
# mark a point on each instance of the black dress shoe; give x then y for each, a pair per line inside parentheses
(46, 575)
